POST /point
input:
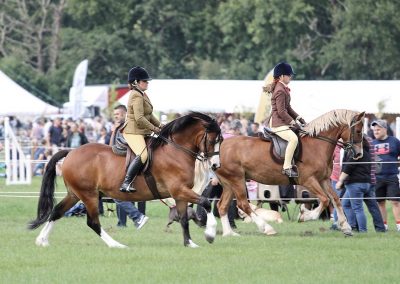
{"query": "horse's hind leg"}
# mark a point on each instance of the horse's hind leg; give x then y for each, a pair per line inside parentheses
(315, 187)
(223, 205)
(93, 222)
(57, 213)
(343, 224)
(238, 189)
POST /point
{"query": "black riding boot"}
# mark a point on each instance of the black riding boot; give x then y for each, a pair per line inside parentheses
(133, 170)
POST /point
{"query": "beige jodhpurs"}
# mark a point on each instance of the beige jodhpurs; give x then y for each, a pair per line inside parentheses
(137, 144)
(287, 134)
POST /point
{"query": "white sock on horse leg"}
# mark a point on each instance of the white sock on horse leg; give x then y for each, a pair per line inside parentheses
(43, 238)
(110, 241)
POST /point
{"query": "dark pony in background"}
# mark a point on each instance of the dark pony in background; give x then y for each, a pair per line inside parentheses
(94, 168)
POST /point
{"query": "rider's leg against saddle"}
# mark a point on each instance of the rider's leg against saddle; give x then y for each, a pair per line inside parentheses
(138, 146)
(286, 133)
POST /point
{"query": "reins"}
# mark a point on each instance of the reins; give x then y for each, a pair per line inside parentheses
(343, 145)
(195, 155)
(186, 150)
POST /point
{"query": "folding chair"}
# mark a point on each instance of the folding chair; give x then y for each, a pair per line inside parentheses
(271, 194)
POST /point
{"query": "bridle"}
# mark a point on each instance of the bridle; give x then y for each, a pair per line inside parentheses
(197, 155)
(348, 145)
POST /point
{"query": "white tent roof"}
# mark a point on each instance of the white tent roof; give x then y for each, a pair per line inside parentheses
(202, 95)
(309, 98)
(96, 95)
(17, 100)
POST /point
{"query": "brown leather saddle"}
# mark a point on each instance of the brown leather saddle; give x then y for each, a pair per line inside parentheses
(278, 146)
(121, 148)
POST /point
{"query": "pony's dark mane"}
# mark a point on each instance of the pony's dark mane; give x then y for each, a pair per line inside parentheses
(183, 122)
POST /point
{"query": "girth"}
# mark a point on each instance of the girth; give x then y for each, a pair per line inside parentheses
(278, 146)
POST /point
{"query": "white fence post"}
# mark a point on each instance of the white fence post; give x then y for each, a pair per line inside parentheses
(18, 165)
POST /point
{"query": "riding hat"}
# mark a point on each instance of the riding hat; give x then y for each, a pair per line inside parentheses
(139, 74)
(283, 68)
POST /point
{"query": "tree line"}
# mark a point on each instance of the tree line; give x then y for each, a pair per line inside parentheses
(42, 41)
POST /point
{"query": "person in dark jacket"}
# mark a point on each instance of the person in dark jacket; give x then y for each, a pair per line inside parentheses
(356, 178)
(75, 138)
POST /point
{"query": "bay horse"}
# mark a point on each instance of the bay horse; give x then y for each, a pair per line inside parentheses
(93, 168)
(244, 158)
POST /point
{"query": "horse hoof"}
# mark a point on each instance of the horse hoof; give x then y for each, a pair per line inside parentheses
(231, 234)
(119, 246)
(41, 242)
(210, 239)
(191, 244)
(348, 233)
(270, 232)
(210, 235)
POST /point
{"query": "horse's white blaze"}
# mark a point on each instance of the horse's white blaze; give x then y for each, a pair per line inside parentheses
(226, 227)
(211, 226)
(192, 244)
(215, 159)
(110, 241)
(43, 239)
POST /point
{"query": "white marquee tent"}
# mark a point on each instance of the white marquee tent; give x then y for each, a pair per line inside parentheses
(309, 98)
(15, 100)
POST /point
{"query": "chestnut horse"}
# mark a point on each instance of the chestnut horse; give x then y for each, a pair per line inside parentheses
(93, 167)
(244, 158)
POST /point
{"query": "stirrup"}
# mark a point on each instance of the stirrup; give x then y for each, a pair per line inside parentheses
(291, 172)
(127, 189)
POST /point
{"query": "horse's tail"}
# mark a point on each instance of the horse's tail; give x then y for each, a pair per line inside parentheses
(46, 199)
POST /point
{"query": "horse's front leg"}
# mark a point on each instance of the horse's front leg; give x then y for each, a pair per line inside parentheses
(314, 187)
(181, 207)
(342, 220)
(211, 225)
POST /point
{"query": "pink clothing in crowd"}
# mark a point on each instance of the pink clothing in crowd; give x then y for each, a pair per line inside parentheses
(336, 164)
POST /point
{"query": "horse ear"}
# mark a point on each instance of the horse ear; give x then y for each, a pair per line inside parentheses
(361, 116)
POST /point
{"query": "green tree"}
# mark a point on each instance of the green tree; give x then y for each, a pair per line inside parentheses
(366, 41)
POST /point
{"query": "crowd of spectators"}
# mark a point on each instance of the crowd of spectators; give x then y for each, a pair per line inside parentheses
(44, 136)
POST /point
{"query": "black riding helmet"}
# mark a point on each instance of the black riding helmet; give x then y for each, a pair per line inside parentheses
(139, 74)
(283, 68)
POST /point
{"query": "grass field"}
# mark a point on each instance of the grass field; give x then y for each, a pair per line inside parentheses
(300, 253)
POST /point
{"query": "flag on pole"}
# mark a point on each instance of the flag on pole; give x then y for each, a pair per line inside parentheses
(75, 92)
(264, 104)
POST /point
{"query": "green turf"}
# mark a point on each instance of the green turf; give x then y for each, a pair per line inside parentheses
(300, 253)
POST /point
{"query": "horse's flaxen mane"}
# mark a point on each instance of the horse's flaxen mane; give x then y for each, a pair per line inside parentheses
(330, 119)
(182, 123)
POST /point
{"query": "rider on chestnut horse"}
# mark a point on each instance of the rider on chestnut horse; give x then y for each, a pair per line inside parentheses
(283, 119)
